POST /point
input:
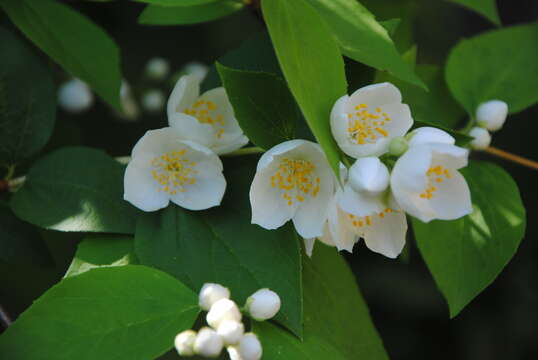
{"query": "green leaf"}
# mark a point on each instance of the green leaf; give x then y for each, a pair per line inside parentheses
(178, 2)
(486, 8)
(499, 64)
(266, 120)
(161, 15)
(27, 101)
(221, 245)
(312, 64)
(466, 255)
(76, 189)
(126, 313)
(73, 41)
(363, 39)
(102, 251)
(337, 323)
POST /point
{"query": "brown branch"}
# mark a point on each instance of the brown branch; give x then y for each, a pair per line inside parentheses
(512, 157)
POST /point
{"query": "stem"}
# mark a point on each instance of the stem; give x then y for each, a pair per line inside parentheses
(246, 151)
(513, 158)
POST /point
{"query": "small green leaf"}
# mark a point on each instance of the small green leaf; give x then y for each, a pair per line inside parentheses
(486, 8)
(337, 323)
(466, 255)
(499, 64)
(76, 189)
(266, 120)
(73, 41)
(27, 101)
(126, 313)
(312, 64)
(162, 15)
(178, 2)
(102, 251)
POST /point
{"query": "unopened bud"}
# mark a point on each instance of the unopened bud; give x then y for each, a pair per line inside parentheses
(250, 347)
(398, 146)
(208, 343)
(196, 69)
(231, 332)
(263, 304)
(153, 100)
(481, 138)
(184, 343)
(429, 135)
(75, 96)
(224, 309)
(369, 175)
(157, 68)
(210, 294)
(233, 353)
(492, 114)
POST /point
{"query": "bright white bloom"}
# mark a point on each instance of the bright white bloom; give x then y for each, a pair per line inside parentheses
(165, 167)
(293, 181)
(492, 114)
(263, 304)
(250, 347)
(427, 185)
(211, 112)
(222, 310)
(429, 135)
(208, 343)
(75, 96)
(196, 69)
(364, 123)
(369, 175)
(157, 68)
(153, 100)
(481, 138)
(233, 353)
(231, 332)
(184, 342)
(210, 294)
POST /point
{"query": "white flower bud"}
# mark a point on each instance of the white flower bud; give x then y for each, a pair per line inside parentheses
(263, 304)
(233, 353)
(429, 135)
(210, 294)
(196, 69)
(369, 175)
(153, 100)
(128, 103)
(184, 342)
(492, 114)
(75, 96)
(224, 309)
(398, 146)
(208, 343)
(231, 332)
(481, 138)
(157, 68)
(250, 347)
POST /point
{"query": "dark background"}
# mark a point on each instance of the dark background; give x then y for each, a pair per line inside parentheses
(408, 310)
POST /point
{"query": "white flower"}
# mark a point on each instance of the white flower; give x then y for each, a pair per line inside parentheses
(293, 181)
(492, 114)
(208, 343)
(196, 69)
(481, 138)
(250, 347)
(231, 332)
(210, 294)
(427, 185)
(157, 68)
(75, 96)
(364, 123)
(184, 342)
(263, 304)
(211, 111)
(153, 100)
(429, 135)
(165, 167)
(369, 175)
(222, 310)
(233, 353)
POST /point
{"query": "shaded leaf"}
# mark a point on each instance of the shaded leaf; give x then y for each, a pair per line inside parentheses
(162, 15)
(486, 8)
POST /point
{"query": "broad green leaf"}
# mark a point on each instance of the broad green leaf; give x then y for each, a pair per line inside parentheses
(337, 323)
(266, 120)
(102, 251)
(178, 2)
(363, 39)
(76, 189)
(486, 8)
(499, 64)
(126, 313)
(466, 255)
(391, 25)
(73, 41)
(27, 101)
(221, 245)
(312, 64)
(162, 15)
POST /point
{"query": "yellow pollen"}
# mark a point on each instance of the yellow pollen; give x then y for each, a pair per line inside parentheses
(173, 171)
(295, 180)
(206, 112)
(365, 127)
(435, 175)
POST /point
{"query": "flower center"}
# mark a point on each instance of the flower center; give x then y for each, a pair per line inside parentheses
(436, 175)
(365, 127)
(204, 111)
(297, 179)
(173, 171)
(367, 220)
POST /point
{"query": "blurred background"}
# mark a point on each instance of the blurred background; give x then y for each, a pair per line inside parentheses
(408, 310)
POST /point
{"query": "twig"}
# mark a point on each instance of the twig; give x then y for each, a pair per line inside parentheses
(512, 157)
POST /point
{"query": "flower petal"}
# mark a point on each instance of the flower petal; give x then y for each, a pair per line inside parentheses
(453, 199)
(339, 120)
(189, 128)
(268, 157)
(375, 95)
(342, 233)
(309, 246)
(427, 135)
(450, 156)
(156, 142)
(386, 235)
(230, 146)
(400, 119)
(409, 172)
(359, 203)
(183, 95)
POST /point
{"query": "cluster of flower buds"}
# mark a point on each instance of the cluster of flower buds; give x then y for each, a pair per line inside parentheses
(226, 328)
(490, 117)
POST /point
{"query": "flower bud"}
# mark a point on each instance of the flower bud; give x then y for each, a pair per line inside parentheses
(233, 353)
(157, 68)
(398, 146)
(481, 138)
(210, 294)
(184, 342)
(231, 332)
(208, 343)
(369, 175)
(250, 347)
(153, 100)
(492, 114)
(263, 304)
(196, 69)
(429, 135)
(224, 309)
(75, 96)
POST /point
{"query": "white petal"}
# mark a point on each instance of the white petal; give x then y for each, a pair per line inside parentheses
(339, 120)
(376, 95)
(309, 246)
(427, 135)
(157, 142)
(450, 156)
(492, 114)
(401, 119)
(326, 238)
(280, 149)
(343, 234)
(452, 200)
(357, 151)
(359, 203)
(409, 172)
(185, 93)
(189, 128)
(140, 189)
(231, 146)
(369, 174)
(481, 138)
(386, 235)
